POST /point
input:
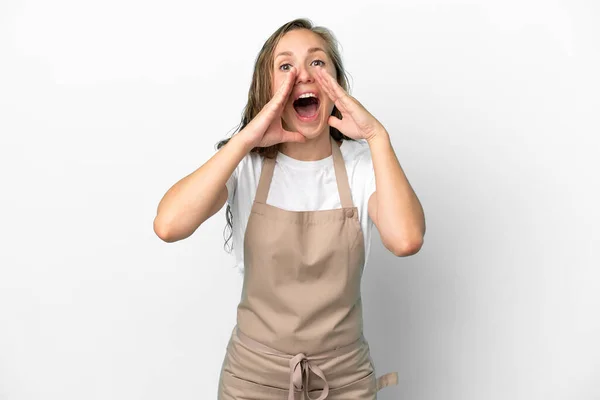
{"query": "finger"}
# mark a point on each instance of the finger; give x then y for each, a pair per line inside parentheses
(335, 92)
(285, 89)
(326, 86)
(333, 84)
(323, 84)
(323, 77)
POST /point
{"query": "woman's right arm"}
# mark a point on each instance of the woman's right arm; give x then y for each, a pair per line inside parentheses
(198, 196)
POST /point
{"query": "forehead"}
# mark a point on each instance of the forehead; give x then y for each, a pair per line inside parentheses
(299, 41)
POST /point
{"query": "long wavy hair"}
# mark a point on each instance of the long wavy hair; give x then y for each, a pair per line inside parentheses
(259, 93)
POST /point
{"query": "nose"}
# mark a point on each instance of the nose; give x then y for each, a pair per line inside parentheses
(304, 75)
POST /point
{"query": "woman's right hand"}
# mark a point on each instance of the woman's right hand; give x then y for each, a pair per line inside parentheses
(266, 128)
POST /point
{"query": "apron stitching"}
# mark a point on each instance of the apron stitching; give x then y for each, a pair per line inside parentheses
(258, 309)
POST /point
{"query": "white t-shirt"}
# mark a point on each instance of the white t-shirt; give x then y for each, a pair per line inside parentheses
(302, 186)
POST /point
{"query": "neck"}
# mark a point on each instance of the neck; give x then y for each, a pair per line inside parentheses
(314, 149)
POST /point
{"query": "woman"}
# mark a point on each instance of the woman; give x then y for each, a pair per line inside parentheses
(308, 172)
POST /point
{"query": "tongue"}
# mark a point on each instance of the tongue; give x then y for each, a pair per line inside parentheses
(307, 111)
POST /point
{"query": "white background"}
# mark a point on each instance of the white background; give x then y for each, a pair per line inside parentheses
(493, 111)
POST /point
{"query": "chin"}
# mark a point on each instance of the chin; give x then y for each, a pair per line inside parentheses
(310, 132)
(310, 129)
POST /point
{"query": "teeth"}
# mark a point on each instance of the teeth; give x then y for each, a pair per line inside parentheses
(305, 95)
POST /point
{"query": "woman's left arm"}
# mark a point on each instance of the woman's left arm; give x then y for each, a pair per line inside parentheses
(394, 206)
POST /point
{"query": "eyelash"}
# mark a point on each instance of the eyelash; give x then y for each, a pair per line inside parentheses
(282, 65)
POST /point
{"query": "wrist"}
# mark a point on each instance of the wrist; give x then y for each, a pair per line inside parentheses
(378, 136)
(243, 140)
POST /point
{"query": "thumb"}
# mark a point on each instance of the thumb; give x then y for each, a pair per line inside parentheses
(335, 122)
(293, 137)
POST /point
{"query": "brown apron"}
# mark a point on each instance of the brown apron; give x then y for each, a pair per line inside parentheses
(299, 332)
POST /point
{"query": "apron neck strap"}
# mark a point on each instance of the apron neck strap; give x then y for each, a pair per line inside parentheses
(339, 166)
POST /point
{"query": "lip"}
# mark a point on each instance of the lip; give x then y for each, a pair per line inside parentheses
(315, 92)
(314, 117)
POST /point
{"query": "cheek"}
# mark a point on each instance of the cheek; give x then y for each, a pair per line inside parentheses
(277, 79)
(275, 83)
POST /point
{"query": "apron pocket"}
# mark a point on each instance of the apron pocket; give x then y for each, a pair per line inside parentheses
(235, 388)
(362, 389)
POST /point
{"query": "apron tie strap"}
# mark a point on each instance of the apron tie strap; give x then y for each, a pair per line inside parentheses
(300, 367)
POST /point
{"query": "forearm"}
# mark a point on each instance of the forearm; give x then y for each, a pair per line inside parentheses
(399, 213)
(193, 199)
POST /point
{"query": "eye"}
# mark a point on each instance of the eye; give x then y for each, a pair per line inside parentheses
(281, 67)
(322, 62)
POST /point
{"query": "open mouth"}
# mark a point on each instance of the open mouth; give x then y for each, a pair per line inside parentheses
(307, 107)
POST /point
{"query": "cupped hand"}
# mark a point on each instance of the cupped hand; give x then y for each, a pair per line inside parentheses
(266, 129)
(356, 122)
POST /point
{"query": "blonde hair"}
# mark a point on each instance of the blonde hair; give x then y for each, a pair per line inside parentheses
(260, 91)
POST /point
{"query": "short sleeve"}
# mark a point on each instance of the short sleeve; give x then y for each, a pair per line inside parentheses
(232, 185)
(369, 171)
(370, 181)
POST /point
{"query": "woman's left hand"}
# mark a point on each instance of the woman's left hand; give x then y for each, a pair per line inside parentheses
(356, 122)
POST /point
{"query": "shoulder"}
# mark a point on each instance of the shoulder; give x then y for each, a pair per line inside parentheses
(252, 161)
(357, 154)
(244, 176)
(355, 148)
(359, 164)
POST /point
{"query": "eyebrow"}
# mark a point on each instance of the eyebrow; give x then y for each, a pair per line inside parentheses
(311, 50)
